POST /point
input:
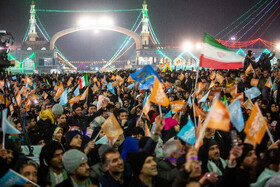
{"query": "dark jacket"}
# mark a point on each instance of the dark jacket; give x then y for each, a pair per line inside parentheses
(167, 171)
(157, 182)
(233, 177)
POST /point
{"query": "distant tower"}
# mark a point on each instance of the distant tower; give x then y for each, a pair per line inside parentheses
(32, 31)
(145, 32)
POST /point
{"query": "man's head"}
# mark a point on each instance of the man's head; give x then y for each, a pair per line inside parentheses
(77, 109)
(92, 109)
(123, 115)
(214, 151)
(75, 163)
(61, 119)
(142, 164)
(73, 139)
(51, 155)
(248, 159)
(112, 161)
(27, 168)
(243, 77)
(126, 103)
(172, 150)
(30, 122)
(138, 133)
(266, 73)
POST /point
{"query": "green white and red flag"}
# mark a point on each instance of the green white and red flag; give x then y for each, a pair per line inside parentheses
(215, 55)
(83, 81)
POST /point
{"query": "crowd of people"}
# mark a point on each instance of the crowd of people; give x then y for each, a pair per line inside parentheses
(76, 152)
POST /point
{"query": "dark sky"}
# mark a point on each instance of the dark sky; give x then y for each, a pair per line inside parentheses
(174, 21)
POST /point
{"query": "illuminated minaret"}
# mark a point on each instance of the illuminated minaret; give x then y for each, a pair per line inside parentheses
(32, 21)
(145, 32)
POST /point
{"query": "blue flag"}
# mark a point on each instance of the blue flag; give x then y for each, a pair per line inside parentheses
(63, 98)
(77, 91)
(111, 88)
(145, 99)
(14, 78)
(12, 178)
(187, 133)
(169, 90)
(53, 83)
(7, 126)
(236, 116)
(252, 92)
(168, 115)
(145, 77)
(204, 98)
(102, 140)
(131, 86)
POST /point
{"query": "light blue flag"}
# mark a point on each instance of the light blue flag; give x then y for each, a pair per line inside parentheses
(236, 116)
(169, 90)
(77, 91)
(102, 140)
(120, 101)
(168, 115)
(12, 178)
(7, 126)
(111, 88)
(145, 99)
(187, 133)
(205, 107)
(190, 101)
(63, 98)
(53, 83)
(153, 128)
(14, 78)
(145, 77)
(252, 92)
(131, 86)
(204, 98)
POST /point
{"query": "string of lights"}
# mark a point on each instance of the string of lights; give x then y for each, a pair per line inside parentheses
(243, 20)
(123, 52)
(26, 33)
(260, 12)
(270, 24)
(86, 11)
(238, 18)
(264, 23)
(257, 21)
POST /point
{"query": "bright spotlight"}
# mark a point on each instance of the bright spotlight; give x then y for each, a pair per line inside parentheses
(187, 46)
(233, 38)
(105, 21)
(96, 31)
(84, 22)
(198, 46)
(278, 46)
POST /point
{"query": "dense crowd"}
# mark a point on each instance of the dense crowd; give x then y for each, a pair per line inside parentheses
(76, 152)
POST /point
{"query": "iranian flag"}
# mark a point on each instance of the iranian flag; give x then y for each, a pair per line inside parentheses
(83, 81)
(215, 55)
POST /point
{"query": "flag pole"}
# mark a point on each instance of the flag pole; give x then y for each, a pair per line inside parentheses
(3, 141)
(97, 134)
(269, 134)
(197, 72)
(160, 111)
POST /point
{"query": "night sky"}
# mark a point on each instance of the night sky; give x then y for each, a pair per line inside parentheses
(174, 21)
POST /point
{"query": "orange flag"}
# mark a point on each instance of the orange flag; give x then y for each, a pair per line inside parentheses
(203, 85)
(254, 82)
(198, 112)
(75, 99)
(178, 105)
(98, 84)
(268, 83)
(29, 81)
(115, 83)
(18, 99)
(111, 127)
(168, 84)
(44, 95)
(27, 105)
(218, 117)
(23, 90)
(238, 96)
(213, 75)
(256, 125)
(2, 84)
(95, 88)
(232, 90)
(249, 68)
(176, 117)
(248, 104)
(95, 79)
(60, 90)
(147, 130)
(179, 89)
(199, 85)
(69, 82)
(147, 107)
(220, 78)
(113, 77)
(212, 85)
(158, 95)
(181, 77)
(2, 100)
(85, 94)
(130, 79)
